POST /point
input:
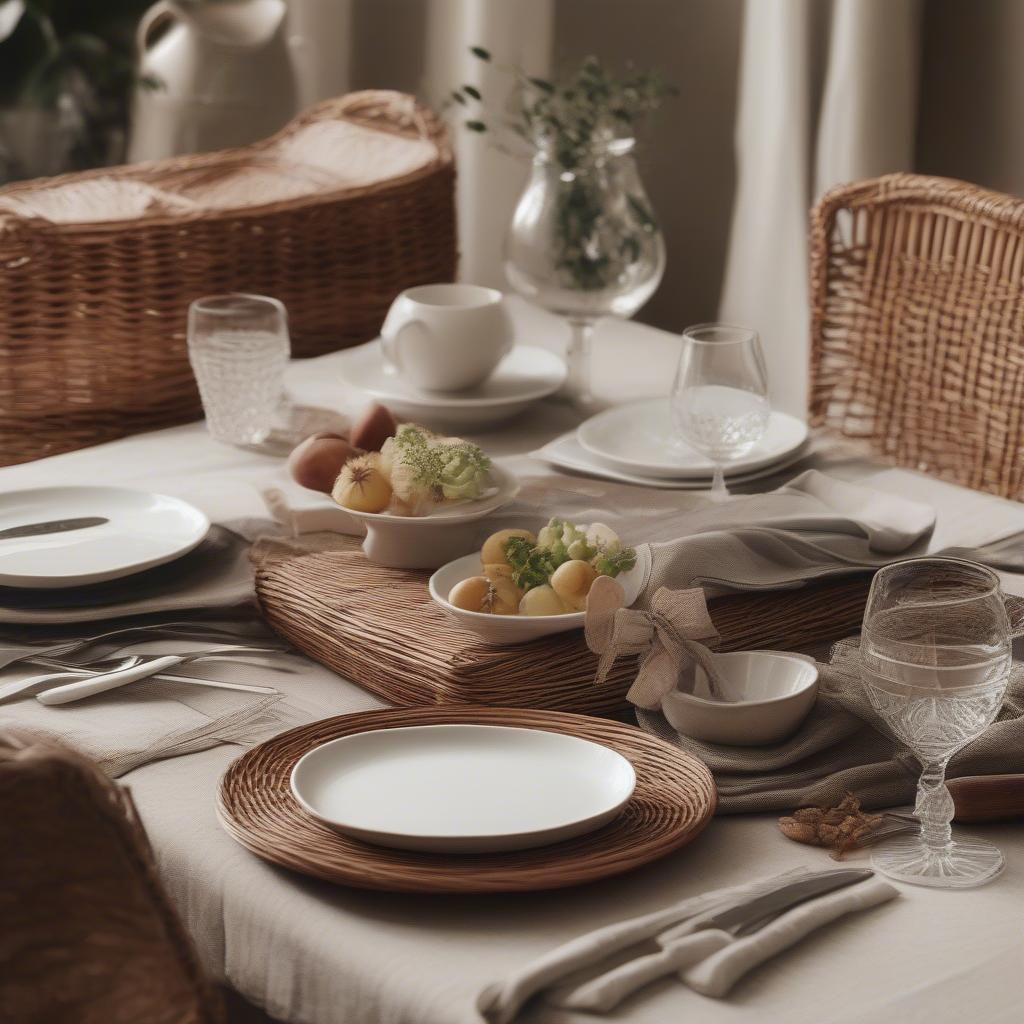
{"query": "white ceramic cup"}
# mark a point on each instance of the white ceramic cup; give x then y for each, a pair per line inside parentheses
(446, 337)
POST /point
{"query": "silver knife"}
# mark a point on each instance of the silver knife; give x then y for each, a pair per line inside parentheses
(53, 526)
(699, 937)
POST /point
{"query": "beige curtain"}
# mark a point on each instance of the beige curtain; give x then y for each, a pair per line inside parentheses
(827, 95)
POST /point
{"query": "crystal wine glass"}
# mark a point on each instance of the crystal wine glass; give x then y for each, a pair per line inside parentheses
(935, 661)
(720, 397)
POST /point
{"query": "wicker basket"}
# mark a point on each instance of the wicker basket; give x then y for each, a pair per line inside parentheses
(917, 326)
(348, 205)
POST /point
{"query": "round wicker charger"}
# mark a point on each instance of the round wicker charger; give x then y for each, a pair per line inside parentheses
(673, 802)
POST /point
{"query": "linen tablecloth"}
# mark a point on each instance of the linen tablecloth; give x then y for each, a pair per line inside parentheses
(318, 954)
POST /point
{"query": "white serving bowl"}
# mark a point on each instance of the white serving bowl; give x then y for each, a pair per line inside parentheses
(520, 629)
(425, 542)
(767, 695)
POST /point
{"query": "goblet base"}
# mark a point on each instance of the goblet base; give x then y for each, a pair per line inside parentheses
(962, 864)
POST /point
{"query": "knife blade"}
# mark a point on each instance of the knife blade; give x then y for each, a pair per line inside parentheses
(52, 526)
(748, 917)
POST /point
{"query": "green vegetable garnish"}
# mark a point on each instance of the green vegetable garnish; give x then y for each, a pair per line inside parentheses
(531, 566)
(612, 563)
(558, 542)
(444, 467)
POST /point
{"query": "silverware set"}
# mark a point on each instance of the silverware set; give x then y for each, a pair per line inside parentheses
(73, 676)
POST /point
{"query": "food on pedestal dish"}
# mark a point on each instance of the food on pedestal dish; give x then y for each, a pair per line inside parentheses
(547, 574)
(318, 461)
(415, 472)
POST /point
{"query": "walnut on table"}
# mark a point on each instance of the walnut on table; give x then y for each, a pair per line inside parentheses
(840, 828)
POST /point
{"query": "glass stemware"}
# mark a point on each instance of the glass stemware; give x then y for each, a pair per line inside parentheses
(720, 397)
(584, 243)
(935, 662)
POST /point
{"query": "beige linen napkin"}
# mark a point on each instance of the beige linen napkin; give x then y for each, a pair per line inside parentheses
(501, 1001)
(155, 719)
(711, 962)
(842, 746)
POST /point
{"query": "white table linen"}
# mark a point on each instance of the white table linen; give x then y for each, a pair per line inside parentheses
(313, 953)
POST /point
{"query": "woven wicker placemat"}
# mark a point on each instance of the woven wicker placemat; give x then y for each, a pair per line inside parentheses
(673, 801)
(380, 628)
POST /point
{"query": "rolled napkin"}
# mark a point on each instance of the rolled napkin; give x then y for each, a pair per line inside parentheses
(500, 1002)
(716, 975)
(712, 961)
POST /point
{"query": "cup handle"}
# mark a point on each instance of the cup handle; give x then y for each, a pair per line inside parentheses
(391, 346)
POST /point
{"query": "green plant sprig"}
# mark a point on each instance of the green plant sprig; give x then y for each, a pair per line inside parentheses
(576, 114)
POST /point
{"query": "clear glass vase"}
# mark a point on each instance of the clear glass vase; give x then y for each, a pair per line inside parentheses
(584, 243)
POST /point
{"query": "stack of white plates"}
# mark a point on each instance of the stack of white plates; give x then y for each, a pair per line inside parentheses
(59, 537)
(637, 443)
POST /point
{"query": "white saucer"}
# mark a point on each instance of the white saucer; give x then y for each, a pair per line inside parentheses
(425, 542)
(567, 453)
(143, 530)
(525, 375)
(504, 630)
(463, 788)
(639, 438)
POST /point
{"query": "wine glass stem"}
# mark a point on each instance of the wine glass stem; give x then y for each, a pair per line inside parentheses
(934, 807)
(577, 378)
(719, 492)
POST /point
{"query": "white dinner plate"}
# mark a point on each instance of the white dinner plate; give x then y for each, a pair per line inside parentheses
(520, 629)
(143, 530)
(639, 438)
(463, 788)
(524, 376)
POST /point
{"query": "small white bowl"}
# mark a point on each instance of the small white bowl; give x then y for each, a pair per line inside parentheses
(425, 542)
(767, 695)
(504, 630)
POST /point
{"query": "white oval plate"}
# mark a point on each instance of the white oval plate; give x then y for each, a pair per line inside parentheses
(524, 376)
(503, 630)
(639, 438)
(145, 530)
(425, 542)
(463, 788)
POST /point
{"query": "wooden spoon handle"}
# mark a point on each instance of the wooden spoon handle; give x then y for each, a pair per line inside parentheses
(988, 797)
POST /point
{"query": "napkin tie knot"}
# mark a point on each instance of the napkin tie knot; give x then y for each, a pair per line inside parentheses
(666, 636)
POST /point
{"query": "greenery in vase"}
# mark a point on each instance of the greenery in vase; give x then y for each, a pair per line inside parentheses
(577, 122)
(82, 50)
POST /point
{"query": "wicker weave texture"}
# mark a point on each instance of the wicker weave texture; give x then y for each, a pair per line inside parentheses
(92, 313)
(89, 934)
(380, 628)
(673, 801)
(917, 327)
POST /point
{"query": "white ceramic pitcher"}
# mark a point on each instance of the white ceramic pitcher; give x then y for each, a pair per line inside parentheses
(225, 75)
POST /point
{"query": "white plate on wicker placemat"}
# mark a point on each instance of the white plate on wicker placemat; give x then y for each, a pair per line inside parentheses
(673, 801)
(131, 531)
(463, 788)
(639, 438)
(524, 376)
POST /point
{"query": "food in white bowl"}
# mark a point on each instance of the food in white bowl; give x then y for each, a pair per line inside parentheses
(766, 695)
(522, 585)
(549, 573)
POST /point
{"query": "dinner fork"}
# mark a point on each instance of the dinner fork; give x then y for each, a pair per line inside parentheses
(122, 676)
